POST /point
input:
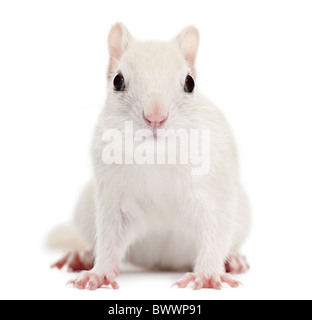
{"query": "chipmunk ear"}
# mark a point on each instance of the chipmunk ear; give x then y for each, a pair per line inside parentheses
(188, 42)
(119, 40)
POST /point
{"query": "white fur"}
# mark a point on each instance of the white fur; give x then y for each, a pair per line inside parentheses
(161, 215)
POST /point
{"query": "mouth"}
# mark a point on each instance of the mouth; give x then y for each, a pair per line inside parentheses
(151, 133)
(155, 134)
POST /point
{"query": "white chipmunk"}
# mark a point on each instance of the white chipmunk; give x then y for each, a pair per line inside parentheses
(156, 215)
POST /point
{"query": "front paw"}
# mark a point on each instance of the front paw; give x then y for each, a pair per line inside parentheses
(214, 281)
(92, 281)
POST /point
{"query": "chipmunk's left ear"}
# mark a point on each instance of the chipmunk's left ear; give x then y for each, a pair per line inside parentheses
(188, 42)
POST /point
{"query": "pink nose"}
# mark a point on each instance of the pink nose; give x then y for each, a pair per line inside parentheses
(155, 120)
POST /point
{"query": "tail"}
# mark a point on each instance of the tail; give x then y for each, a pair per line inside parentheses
(65, 237)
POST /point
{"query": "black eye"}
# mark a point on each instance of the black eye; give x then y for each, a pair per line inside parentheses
(189, 84)
(119, 82)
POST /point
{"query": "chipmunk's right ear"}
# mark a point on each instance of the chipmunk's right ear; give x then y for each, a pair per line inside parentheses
(119, 39)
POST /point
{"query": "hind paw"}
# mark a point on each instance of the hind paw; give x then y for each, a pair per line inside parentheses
(236, 264)
(76, 261)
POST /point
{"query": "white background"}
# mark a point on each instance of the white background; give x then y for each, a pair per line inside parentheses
(255, 62)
